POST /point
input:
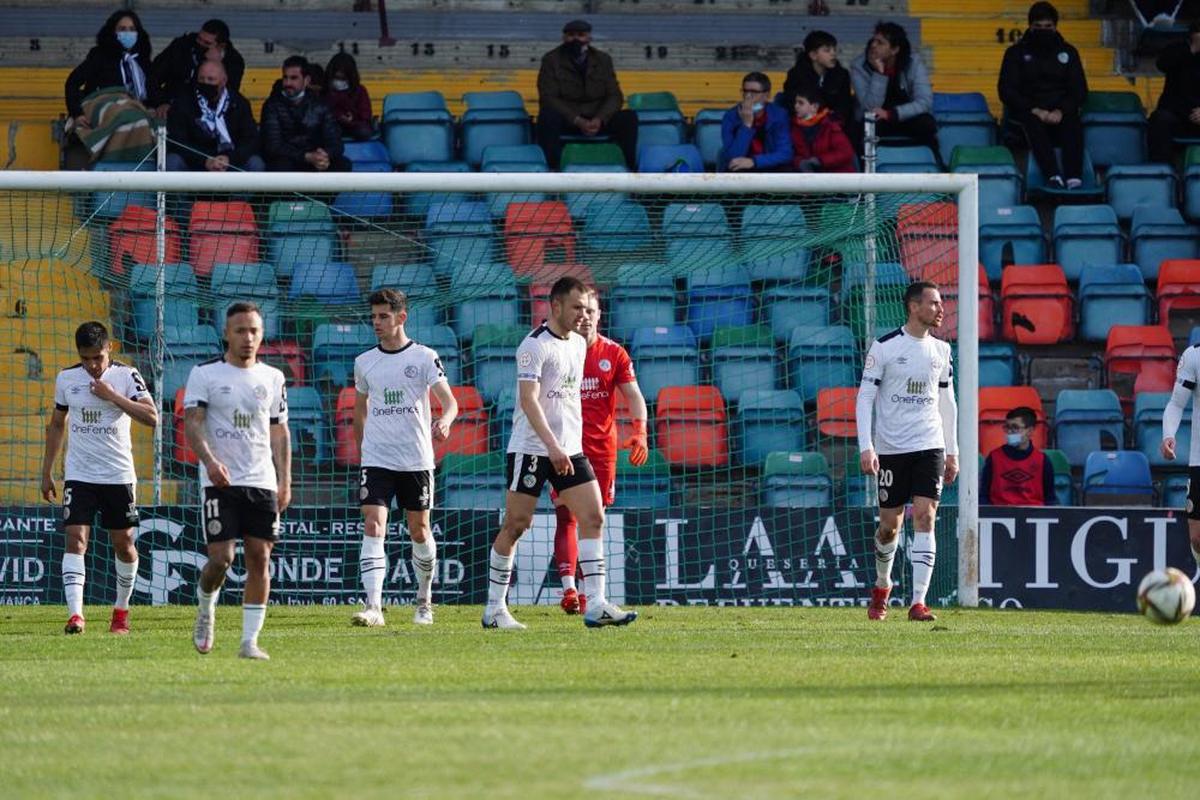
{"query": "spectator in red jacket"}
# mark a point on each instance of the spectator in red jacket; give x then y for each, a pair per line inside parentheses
(348, 98)
(819, 144)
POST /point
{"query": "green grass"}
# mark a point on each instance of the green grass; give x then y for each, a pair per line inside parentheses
(689, 703)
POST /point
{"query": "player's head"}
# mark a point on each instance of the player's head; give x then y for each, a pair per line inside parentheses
(589, 323)
(568, 302)
(243, 330)
(92, 342)
(923, 302)
(1018, 426)
(389, 311)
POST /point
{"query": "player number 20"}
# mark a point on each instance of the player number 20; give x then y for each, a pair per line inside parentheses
(885, 477)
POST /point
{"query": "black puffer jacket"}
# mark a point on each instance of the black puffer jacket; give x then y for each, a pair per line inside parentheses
(175, 68)
(1042, 73)
(290, 130)
(1182, 90)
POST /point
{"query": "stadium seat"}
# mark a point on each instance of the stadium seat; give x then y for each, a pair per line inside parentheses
(492, 358)
(1109, 292)
(1179, 295)
(769, 420)
(181, 451)
(665, 356)
(502, 416)
(822, 356)
(498, 202)
(963, 119)
(452, 252)
(1132, 350)
(180, 306)
(797, 480)
(538, 237)
(185, 347)
(1064, 489)
(690, 426)
(994, 404)
(837, 429)
(132, 240)
(1087, 420)
(106, 206)
(1010, 235)
(697, 236)
(616, 228)
(787, 305)
(256, 282)
(469, 433)
(417, 127)
(906, 159)
(510, 157)
(1120, 478)
(1036, 305)
(299, 231)
(441, 339)
(1128, 187)
(890, 282)
(949, 292)
(707, 135)
(583, 204)
(369, 156)
(647, 486)
(659, 118)
(576, 154)
(221, 233)
(743, 358)
(472, 481)
(772, 244)
(470, 218)
(1084, 236)
(1160, 234)
(1175, 492)
(417, 203)
(485, 295)
(1000, 184)
(1148, 410)
(642, 297)
(420, 285)
(1114, 128)
(998, 365)
(1191, 184)
(484, 128)
(1036, 186)
(345, 447)
(308, 426)
(670, 158)
(287, 357)
(718, 298)
(332, 283)
(334, 349)
(928, 235)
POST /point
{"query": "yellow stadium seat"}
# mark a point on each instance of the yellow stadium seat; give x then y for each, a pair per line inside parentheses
(46, 302)
(15, 366)
(65, 243)
(29, 397)
(36, 209)
(24, 427)
(27, 492)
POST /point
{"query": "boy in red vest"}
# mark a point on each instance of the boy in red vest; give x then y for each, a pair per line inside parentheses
(1017, 473)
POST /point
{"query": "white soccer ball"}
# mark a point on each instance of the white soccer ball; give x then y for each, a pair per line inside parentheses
(1166, 596)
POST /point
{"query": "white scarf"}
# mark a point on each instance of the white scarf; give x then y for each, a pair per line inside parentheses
(131, 73)
(213, 119)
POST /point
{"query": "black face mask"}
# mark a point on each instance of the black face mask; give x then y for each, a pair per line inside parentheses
(209, 91)
(575, 49)
(1041, 39)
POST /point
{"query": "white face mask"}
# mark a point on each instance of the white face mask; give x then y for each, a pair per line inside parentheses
(1014, 439)
(756, 108)
(339, 86)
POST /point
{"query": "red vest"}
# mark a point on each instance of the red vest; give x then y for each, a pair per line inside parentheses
(1017, 482)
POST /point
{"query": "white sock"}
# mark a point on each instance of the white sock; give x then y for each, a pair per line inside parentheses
(591, 565)
(424, 561)
(73, 577)
(208, 600)
(126, 575)
(1196, 555)
(885, 554)
(372, 566)
(922, 554)
(568, 582)
(252, 621)
(499, 576)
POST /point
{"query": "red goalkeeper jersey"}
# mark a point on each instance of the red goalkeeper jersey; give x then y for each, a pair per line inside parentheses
(607, 365)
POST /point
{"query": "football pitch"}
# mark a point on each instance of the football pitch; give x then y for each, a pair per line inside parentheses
(686, 703)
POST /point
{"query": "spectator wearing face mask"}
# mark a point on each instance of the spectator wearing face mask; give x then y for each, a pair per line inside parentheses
(348, 98)
(818, 142)
(121, 57)
(211, 127)
(754, 133)
(299, 132)
(818, 66)
(174, 69)
(1017, 473)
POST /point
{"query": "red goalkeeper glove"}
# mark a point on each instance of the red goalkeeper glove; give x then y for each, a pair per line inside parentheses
(636, 444)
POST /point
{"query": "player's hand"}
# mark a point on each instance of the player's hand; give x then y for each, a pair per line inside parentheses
(103, 391)
(49, 493)
(561, 461)
(869, 462)
(218, 473)
(951, 469)
(636, 444)
(283, 496)
(441, 430)
(1167, 448)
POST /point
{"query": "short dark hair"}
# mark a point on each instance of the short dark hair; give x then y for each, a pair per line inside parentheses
(809, 91)
(315, 73)
(565, 285)
(1042, 10)
(217, 28)
(393, 298)
(295, 61)
(1025, 414)
(243, 307)
(345, 64)
(758, 77)
(818, 39)
(91, 334)
(915, 290)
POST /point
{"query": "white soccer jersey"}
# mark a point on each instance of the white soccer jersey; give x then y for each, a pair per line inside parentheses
(556, 363)
(240, 406)
(908, 373)
(1187, 379)
(397, 433)
(99, 448)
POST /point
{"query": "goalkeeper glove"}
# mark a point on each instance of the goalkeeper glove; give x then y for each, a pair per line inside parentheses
(636, 444)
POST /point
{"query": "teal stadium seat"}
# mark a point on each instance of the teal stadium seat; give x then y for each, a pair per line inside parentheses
(743, 358)
(1086, 235)
(769, 420)
(185, 347)
(441, 338)
(1160, 234)
(1086, 420)
(643, 297)
(485, 294)
(1148, 410)
(492, 351)
(665, 356)
(256, 282)
(1128, 187)
(1109, 292)
(417, 127)
(299, 231)
(822, 357)
(334, 348)
(797, 480)
(418, 203)
(309, 427)
(772, 242)
(180, 306)
(707, 135)
(1114, 128)
(619, 228)
(1010, 235)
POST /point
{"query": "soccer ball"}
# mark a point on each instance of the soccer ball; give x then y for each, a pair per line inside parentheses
(1166, 596)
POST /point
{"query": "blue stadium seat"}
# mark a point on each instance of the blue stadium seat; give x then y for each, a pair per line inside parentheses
(797, 480)
(622, 227)
(719, 297)
(769, 420)
(1109, 292)
(1128, 187)
(1086, 235)
(309, 426)
(1010, 235)
(1086, 420)
(482, 128)
(442, 339)
(822, 357)
(504, 99)
(707, 126)
(697, 235)
(1035, 181)
(1148, 410)
(669, 158)
(510, 157)
(1120, 478)
(451, 252)
(583, 204)
(179, 306)
(744, 358)
(368, 156)
(785, 306)
(470, 218)
(187, 346)
(417, 127)
(256, 282)
(472, 481)
(498, 202)
(963, 119)
(332, 283)
(485, 294)
(420, 285)
(772, 242)
(492, 358)
(659, 119)
(1175, 492)
(1191, 184)
(999, 184)
(107, 206)
(502, 417)
(643, 297)
(1114, 128)
(418, 203)
(998, 365)
(334, 349)
(364, 206)
(918, 158)
(665, 356)
(299, 231)
(1158, 234)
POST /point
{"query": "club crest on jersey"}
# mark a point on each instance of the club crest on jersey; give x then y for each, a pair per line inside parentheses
(214, 527)
(525, 359)
(870, 361)
(260, 392)
(410, 371)
(605, 365)
(529, 481)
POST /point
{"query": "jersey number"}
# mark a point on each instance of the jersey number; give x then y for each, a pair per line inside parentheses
(211, 509)
(363, 482)
(67, 496)
(885, 478)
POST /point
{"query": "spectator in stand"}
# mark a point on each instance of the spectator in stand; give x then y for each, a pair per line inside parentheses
(891, 81)
(1043, 89)
(1178, 112)
(754, 133)
(579, 95)
(121, 57)
(818, 66)
(210, 127)
(174, 69)
(299, 133)
(1017, 473)
(818, 142)
(348, 98)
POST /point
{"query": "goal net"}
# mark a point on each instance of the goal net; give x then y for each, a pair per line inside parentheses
(745, 302)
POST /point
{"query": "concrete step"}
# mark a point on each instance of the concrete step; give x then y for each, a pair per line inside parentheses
(1147, 88)
(1067, 9)
(1097, 61)
(1000, 31)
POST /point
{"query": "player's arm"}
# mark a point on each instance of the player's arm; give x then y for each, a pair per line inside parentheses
(637, 443)
(56, 429)
(197, 438)
(1185, 387)
(948, 407)
(864, 408)
(441, 425)
(528, 392)
(281, 454)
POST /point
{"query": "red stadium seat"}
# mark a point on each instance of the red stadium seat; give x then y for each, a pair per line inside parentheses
(946, 276)
(1132, 350)
(994, 404)
(184, 454)
(221, 233)
(1036, 305)
(539, 292)
(131, 239)
(287, 356)
(345, 448)
(469, 433)
(928, 235)
(1179, 290)
(836, 414)
(691, 426)
(538, 238)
